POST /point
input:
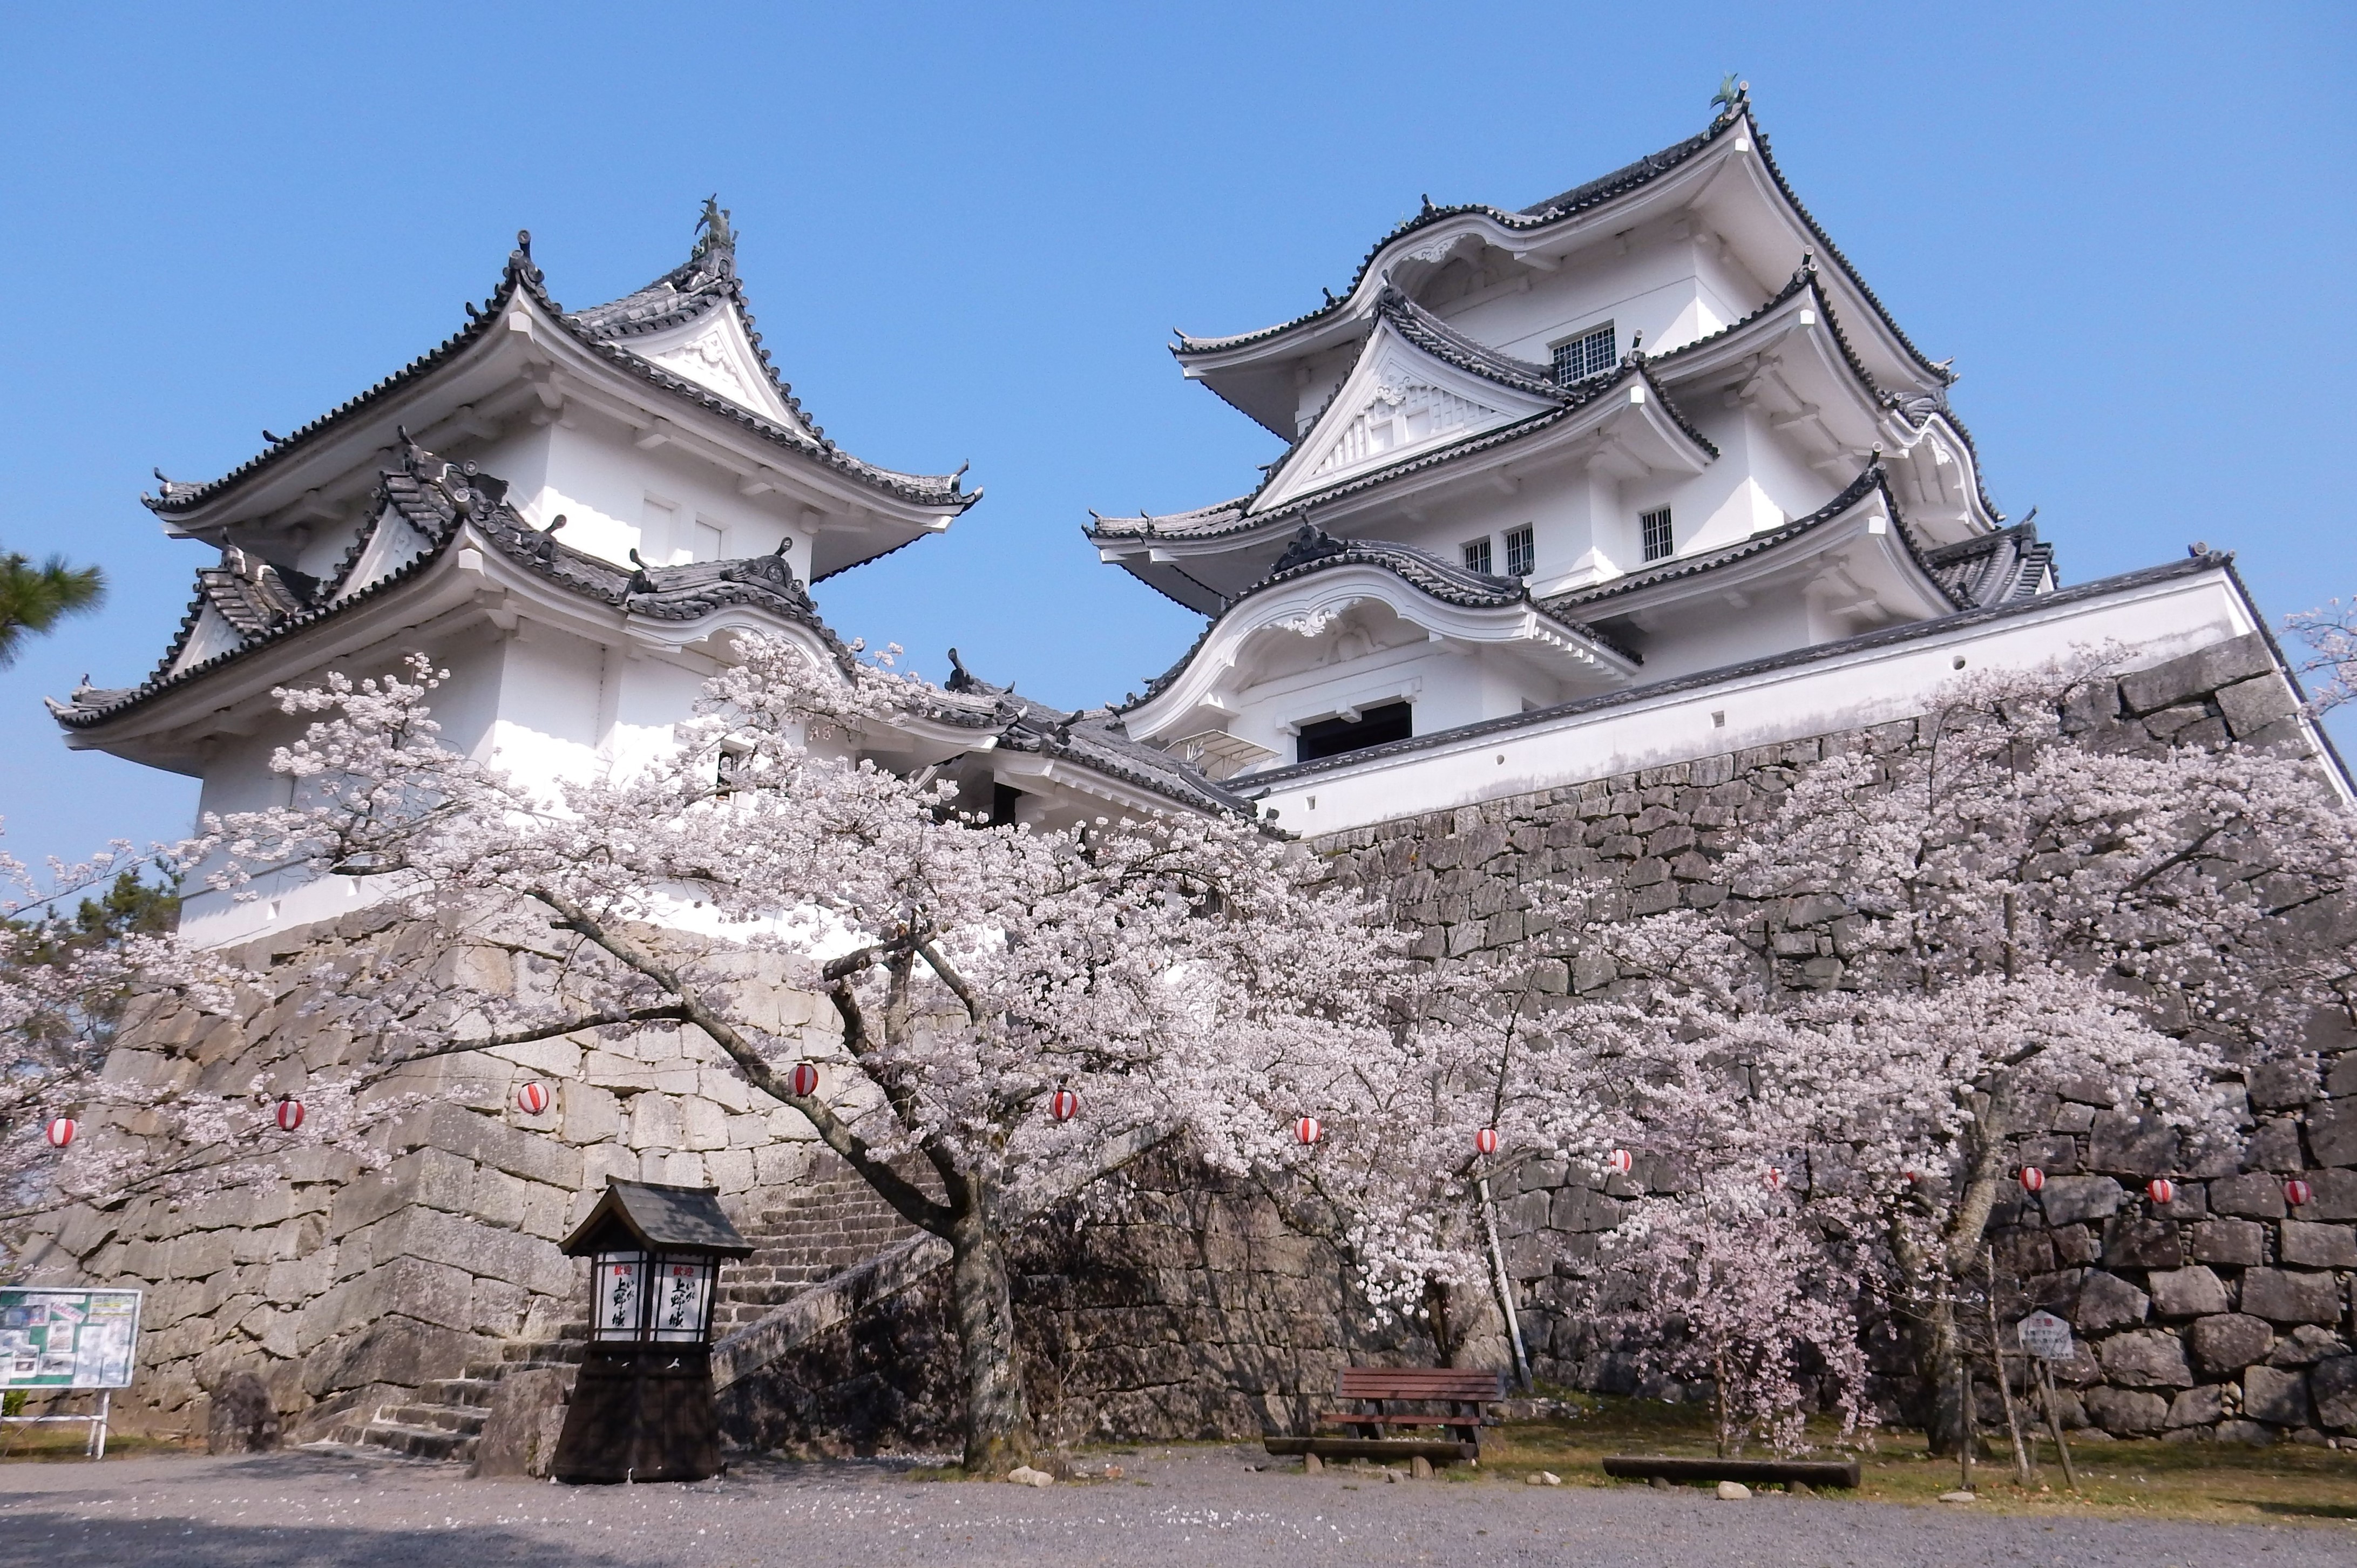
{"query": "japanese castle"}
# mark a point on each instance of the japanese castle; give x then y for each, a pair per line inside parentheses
(1641, 473)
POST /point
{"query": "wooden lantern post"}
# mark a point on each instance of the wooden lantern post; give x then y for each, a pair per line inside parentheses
(642, 1409)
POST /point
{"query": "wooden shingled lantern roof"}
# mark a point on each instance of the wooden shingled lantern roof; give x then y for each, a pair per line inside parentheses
(655, 1217)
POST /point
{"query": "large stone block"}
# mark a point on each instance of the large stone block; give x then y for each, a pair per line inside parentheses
(2125, 1413)
(2240, 1243)
(2133, 1240)
(2108, 1301)
(2197, 1406)
(2145, 1359)
(2316, 1246)
(526, 1416)
(587, 1115)
(2332, 1132)
(2281, 1085)
(489, 1141)
(477, 1249)
(2333, 1384)
(2333, 1196)
(2222, 1345)
(2283, 1296)
(2275, 1146)
(2197, 674)
(2196, 1292)
(702, 1124)
(2275, 1394)
(2138, 1145)
(2255, 1195)
(2072, 1200)
(498, 1198)
(2249, 706)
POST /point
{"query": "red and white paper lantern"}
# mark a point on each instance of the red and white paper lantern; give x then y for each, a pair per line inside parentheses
(2298, 1193)
(2161, 1189)
(533, 1097)
(289, 1113)
(1620, 1162)
(1063, 1105)
(1485, 1140)
(2032, 1179)
(60, 1132)
(1309, 1130)
(806, 1080)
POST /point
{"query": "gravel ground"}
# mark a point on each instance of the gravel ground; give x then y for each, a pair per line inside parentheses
(1195, 1506)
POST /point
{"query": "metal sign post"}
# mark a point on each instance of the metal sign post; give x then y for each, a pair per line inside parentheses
(2047, 1338)
(57, 1341)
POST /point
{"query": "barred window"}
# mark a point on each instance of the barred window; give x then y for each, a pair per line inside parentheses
(1591, 354)
(1477, 555)
(1660, 544)
(1520, 552)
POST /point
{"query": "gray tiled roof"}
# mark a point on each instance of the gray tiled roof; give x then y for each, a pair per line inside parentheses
(1230, 517)
(1097, 739)
(440, 500)
(1583, 197)
(706, 279)
(1995, 568)
(1313, 551)
(1871, 479)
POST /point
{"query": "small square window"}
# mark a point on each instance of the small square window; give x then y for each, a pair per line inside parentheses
(1521, 552)
(1659, 543)
(1477, 555)
(1589, 354)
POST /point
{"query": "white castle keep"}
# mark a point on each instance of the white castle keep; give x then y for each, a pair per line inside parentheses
(1640, 474)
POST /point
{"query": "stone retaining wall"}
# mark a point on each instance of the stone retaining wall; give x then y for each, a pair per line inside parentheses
(2221, 1313)
(1173, 1305)
(1178, 1306)
(345, 1290)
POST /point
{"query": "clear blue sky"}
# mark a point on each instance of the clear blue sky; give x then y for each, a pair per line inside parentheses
(968, 231)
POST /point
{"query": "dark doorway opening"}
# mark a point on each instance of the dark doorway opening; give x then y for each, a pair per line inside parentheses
(1373, 726)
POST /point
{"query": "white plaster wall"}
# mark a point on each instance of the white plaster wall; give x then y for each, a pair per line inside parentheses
(1446, 685)
(2157, 622)
(240, 779)
(1660, 287)
(602, 482)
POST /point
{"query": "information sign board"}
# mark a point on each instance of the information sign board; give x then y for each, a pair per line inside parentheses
(2045, 1335)
(59, 1338)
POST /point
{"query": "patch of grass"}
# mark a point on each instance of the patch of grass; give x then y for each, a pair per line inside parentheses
(2219, 1482)
(51, 1444)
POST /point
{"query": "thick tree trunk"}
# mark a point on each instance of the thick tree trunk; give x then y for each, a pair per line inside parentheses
(997, 1421)
(1937, 1274)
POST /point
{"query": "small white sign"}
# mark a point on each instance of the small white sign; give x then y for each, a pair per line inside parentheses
(2045, 1335)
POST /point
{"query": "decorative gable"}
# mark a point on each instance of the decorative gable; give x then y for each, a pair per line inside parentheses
(717, 354)
(1396, 401)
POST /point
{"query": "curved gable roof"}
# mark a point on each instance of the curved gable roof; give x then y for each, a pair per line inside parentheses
(703, 282)
(1578, 200)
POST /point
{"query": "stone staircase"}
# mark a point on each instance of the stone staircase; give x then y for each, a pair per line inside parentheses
(833, 1221)
(444, 1419)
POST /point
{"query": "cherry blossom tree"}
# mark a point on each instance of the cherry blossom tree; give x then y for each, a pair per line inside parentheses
(67, 985)
(1922, 941)
(1730, 1286)
(1175, 974)
(2330, 633)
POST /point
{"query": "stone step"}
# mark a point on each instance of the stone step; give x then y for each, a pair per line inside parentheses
(419, 1442)
(463, 1419)
(464, 1392)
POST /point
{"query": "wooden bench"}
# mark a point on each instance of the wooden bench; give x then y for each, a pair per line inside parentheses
(1381, 1389)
